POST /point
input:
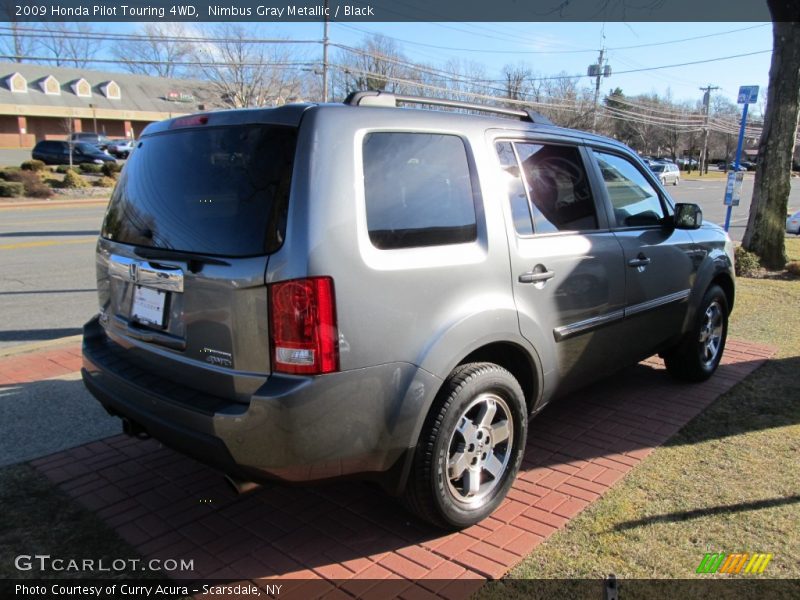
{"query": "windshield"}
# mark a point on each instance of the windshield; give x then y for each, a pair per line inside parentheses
(658, 168)
(218, 190)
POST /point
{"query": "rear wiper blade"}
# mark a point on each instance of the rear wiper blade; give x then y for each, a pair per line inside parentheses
(194, 260)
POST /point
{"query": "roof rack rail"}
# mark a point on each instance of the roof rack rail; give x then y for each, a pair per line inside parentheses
(388, 99)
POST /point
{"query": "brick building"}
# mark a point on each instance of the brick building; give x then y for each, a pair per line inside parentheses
(40, 102)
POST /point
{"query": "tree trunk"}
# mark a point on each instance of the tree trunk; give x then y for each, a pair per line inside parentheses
(767, 221)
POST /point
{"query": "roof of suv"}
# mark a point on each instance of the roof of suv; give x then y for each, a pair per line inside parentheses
(291, 115)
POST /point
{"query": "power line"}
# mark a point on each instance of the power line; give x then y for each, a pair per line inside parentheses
(689, 39)
(193, 63)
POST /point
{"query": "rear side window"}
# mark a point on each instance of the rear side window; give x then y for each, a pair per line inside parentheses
(418, 190)
(218, 190)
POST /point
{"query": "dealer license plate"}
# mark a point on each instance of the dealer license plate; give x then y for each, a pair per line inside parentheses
(148, 306)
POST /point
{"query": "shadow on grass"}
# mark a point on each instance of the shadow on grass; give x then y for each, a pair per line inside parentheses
(685, 515)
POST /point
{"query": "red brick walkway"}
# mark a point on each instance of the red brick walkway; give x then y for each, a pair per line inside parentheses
(168, 506)
(35, 366)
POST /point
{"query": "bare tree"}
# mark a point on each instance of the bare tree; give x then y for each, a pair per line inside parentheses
(246, 74)
(568, 105)
(765, 227)
(157, 52)
(19, 43)
(69, 44)
(723, 144)
(517, 79)
(377, 64)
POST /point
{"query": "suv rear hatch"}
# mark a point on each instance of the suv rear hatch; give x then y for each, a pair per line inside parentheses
(181, 263)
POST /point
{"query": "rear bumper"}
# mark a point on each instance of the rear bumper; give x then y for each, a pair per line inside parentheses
(358, 422)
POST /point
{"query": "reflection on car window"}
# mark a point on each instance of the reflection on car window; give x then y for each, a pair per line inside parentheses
(518, 199)
(214, 190)
(634, 200)
(558, 188)
(418, 190)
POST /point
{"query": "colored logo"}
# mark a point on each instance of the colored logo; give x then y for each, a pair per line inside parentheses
(734, 564)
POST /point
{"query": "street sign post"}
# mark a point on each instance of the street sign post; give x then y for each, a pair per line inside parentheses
(748, 94)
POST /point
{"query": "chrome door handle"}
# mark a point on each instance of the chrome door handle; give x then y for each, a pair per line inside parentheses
(536, 276)
(639, 261)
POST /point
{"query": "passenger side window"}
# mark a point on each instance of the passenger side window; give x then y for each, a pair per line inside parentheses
(556, 185)
(635, 202)
(418, 190)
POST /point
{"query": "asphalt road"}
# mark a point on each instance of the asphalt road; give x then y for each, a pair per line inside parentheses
(47, 278)
(709, 194)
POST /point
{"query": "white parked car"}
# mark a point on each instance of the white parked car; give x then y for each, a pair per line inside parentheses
(667, 172)
(793, 223)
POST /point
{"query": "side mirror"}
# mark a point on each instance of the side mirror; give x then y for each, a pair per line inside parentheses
(688, 216)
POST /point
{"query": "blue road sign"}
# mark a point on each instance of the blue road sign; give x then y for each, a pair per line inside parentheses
(748, 94)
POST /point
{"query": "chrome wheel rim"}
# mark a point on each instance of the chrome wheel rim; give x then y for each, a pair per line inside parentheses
(711, 333)
(479, 449)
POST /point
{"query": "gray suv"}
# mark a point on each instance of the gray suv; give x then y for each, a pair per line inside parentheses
(319, 291)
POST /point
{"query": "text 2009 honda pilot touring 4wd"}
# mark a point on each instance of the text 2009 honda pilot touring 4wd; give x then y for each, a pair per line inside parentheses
(317, 291)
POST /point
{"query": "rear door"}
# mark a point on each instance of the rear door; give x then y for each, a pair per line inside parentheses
(567, 269)
(184, 250)
(660, 264)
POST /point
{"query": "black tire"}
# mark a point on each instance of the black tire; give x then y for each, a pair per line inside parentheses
(677, 179)
(691, 359)
(470, 389)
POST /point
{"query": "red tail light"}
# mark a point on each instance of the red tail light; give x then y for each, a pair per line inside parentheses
(304, 336)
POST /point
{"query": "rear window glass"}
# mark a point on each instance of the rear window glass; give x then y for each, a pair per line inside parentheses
(418, 190)
(218, 190)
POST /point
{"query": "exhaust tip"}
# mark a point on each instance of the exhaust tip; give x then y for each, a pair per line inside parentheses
(240, 486)
(134, 429)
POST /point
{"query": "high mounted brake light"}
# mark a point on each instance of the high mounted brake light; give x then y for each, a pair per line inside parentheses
(304, 336)
(190, 121)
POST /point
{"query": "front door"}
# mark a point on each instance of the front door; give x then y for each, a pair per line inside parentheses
(660, 266)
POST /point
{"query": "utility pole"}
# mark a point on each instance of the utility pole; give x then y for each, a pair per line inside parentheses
(325, 56)
(598, 71)
(706, 106)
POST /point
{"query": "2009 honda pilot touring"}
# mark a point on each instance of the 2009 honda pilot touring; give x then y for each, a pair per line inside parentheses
(318, 291)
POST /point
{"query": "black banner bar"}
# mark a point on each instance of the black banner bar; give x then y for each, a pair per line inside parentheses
(277, 11)
(740, 588)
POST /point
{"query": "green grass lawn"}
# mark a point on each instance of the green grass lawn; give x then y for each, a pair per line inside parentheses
(727, 482)
(713, 174)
